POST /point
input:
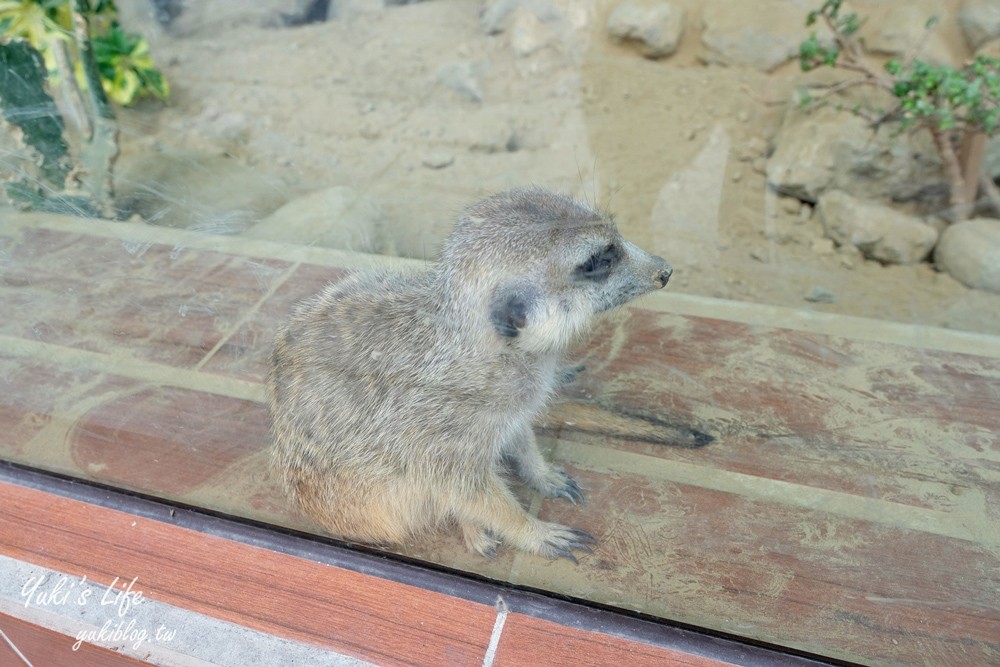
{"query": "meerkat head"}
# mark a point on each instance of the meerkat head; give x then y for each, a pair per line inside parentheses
(543, 265)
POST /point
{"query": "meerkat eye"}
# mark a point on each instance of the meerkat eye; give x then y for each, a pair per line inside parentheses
(598, 266)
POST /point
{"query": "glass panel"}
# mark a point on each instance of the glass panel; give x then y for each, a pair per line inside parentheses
(795, 442)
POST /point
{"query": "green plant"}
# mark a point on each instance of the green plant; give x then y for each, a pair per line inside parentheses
(62, 60)
(959, 107)
(126, 69)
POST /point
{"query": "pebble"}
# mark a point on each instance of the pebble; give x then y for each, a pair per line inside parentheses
(461, 77)
(438, 160)
(820, 295)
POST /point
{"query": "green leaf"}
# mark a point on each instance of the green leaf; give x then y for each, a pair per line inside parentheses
(26, 104)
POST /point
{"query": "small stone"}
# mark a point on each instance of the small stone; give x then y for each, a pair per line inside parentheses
(737, 177)
(461, 77)
(969, 251)
(497, 14)
(656, 24)
(760, 165)
(791, 205)
(493, 16)
(438, 160)
(528, 34)
(760, 255)
(754, 148)
(820, 295)
(743, 116)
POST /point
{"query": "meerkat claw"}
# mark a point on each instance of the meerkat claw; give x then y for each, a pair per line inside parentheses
(570, 490)
(562, 552)
(583, 536)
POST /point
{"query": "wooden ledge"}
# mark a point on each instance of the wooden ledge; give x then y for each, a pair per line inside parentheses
(348, 612)
(847, 506)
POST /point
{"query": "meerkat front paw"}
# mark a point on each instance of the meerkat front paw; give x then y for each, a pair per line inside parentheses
(479, 540)
(559, 541)
(558, 484)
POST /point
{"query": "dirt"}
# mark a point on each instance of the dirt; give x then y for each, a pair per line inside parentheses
(675, 148)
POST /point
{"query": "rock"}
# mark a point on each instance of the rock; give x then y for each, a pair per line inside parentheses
(462, 78)
(980, 21)
(791, 205)
(528, 34)
(878, 231)
(338, 217)
(754, 148)
(497, 15)
(493, 15)
(762, 34)
(990, 48)
(822, 149)
(969, 251)
(820, 295)
(656, 24)
(895, 32)
(438, 160)
(193, 190)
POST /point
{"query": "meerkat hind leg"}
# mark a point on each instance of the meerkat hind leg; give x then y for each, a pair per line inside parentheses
(494, 509)
(539, 474)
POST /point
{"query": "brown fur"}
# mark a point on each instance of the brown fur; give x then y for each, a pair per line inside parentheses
(397, 398)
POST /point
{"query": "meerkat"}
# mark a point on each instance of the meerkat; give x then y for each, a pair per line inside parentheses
(401, 400)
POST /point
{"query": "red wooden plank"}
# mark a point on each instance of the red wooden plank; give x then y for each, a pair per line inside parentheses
(43, 647)
(531, 641)
(344, 611)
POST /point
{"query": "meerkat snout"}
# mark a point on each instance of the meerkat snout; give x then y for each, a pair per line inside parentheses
(663, 275)
(400, 401)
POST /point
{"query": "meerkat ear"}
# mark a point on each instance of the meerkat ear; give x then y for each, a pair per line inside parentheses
(509, 308)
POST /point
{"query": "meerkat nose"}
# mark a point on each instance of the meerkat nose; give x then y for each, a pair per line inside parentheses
(663, 275)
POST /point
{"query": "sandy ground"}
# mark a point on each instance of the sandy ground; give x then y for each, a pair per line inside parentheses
(674, 148)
